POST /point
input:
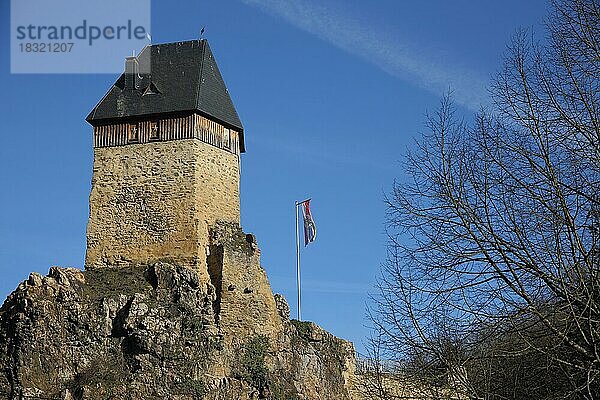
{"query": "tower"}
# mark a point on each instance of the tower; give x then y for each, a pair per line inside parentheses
(167, 143)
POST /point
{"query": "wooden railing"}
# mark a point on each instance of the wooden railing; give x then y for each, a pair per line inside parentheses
(165, 129)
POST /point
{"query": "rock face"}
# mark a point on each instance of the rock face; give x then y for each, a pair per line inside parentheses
(157, 331)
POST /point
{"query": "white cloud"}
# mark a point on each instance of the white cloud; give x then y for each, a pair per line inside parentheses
(392, 54)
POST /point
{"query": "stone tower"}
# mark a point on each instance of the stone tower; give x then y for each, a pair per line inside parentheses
(164, 203)
(167, 143)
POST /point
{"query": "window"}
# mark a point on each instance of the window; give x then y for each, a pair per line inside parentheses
(133, 133)
(226, 139)
(154, 133)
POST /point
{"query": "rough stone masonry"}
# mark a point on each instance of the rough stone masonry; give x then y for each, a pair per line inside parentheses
(157, 201)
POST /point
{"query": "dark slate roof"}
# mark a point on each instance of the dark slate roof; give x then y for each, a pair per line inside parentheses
(183, 77)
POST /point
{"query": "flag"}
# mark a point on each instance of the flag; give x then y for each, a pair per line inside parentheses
(310, 230)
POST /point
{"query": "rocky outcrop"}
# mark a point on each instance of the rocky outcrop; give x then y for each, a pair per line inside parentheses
(157, 332)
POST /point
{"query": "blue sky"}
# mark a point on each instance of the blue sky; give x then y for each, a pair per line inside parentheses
(331, 94)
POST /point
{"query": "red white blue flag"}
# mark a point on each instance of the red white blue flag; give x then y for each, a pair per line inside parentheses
(310, 229)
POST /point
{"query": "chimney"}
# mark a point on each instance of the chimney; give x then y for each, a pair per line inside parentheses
(131, 73)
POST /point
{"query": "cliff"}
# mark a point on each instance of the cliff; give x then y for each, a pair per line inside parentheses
(156, 332)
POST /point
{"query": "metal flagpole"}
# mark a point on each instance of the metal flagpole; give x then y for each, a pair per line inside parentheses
(298, 260)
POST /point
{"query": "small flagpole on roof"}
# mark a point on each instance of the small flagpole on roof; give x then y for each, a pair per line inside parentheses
(310, 232)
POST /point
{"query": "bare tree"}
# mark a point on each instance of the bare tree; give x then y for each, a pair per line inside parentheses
(492, 285)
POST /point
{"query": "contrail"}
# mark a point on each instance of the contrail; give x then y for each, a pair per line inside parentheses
(390, 53)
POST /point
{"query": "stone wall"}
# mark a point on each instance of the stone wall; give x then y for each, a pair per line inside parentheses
(155, 201)
(245, 302)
